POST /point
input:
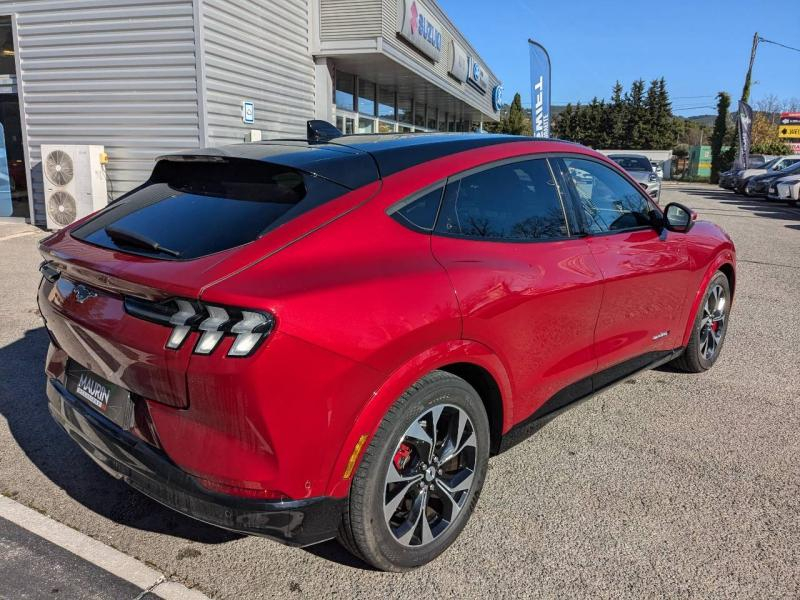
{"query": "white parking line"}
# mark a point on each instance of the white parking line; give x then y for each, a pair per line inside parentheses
(107, 558)
(18, 235)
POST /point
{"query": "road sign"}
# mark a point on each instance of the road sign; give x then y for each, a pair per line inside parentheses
(790, 118)
(789, 131)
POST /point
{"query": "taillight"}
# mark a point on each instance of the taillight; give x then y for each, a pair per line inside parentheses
(248, 327)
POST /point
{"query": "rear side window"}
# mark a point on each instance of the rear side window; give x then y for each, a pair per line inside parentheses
(518, 201)
(420, 212)
(195, 208)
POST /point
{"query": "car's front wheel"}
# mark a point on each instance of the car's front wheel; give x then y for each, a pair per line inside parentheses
(420, 477)
(709, 329)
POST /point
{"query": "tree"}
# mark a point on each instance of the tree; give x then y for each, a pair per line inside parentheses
(635, 123)
(617, 117)
(718, 136)
(516, 117)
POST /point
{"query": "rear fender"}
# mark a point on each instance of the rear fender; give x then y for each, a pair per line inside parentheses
(367, 422)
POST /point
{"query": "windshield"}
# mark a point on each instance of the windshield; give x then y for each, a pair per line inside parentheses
(756, 164)
(195, 208)
(632, 163)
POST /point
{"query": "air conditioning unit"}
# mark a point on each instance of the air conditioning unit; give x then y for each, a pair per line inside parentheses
(74, 183)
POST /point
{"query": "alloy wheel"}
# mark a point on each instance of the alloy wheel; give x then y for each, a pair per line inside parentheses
(429, 477)
(712, 326)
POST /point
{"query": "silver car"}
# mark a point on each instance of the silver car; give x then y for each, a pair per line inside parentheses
(639, 167)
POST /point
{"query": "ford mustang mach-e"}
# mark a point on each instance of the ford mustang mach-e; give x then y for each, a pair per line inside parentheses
(329, 337)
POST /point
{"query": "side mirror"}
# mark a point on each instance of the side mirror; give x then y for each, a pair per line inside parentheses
(678, 218)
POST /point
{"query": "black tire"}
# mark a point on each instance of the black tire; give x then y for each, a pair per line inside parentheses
(365, 530)
(696, 358)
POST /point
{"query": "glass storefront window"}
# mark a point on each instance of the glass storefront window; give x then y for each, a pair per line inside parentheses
(431, 118)
(345, 124)
(366, 125)
(404, 106)
(419, 114)
(384, 127)
(366, 97)
(405, 129)
(386, 104)
(345, 90)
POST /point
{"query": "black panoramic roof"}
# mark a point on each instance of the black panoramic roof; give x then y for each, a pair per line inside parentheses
(356, 160)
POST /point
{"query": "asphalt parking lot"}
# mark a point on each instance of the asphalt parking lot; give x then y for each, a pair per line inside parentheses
(669, 485)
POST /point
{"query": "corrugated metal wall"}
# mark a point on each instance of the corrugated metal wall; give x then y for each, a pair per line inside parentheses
(349, 20)
(257, 51)
(111, 72)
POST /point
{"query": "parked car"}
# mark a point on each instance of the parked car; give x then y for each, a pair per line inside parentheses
(759, 184)
(727, 178)
(786, 188)
(775, 165)
(328, 338)
(639, 167)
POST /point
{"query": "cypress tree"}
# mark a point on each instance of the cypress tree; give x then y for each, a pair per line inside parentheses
(516, 116)
(718, 137)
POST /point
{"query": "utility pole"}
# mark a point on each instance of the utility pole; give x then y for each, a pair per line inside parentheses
(745, 98)
(746, 89)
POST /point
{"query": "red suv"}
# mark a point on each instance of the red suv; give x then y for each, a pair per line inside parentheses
(316, 339)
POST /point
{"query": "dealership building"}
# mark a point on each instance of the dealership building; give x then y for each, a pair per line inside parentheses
(146, 77)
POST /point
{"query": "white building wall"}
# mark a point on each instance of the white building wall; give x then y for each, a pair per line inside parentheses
(257, 51)
(120, 74)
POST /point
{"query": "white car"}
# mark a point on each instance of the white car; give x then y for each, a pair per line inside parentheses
(788, 189)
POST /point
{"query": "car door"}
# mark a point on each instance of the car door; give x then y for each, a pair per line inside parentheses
(645, 270)
(528, 287)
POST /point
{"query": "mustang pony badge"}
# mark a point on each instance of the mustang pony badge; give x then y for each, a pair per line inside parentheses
(82, 293)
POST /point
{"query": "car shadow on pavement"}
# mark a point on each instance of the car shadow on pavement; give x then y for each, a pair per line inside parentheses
(759, 208)
(23, 403)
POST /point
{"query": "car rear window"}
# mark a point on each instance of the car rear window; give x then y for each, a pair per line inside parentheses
(193, 208)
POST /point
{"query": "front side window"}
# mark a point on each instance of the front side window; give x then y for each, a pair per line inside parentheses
(608, 201)
(518, 201)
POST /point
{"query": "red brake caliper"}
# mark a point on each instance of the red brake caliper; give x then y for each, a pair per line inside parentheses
(402, 457)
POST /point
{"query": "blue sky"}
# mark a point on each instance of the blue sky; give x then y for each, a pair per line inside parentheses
(699, 47)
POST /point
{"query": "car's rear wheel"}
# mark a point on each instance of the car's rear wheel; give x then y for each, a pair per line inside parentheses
(420, 477)
(710, 328)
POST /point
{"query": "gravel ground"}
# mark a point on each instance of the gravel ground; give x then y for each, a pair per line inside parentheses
(669, 485)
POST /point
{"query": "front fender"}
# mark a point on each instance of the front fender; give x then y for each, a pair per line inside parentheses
(725, 257)
(370, 417)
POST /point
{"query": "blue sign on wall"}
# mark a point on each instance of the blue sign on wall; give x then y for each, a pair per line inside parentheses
(497, 97)
(248, 112)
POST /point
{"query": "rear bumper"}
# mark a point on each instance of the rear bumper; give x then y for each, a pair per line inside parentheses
(150, 471)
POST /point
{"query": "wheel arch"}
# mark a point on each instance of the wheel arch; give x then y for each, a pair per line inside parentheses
(725, 262)
(470, 360)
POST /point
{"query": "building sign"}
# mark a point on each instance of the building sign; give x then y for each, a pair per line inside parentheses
(420, 28)
(497, 97)
(459, 62)
(248, 112)
(477, 75)
(790, 118)
(795, 147)
(789, 131)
